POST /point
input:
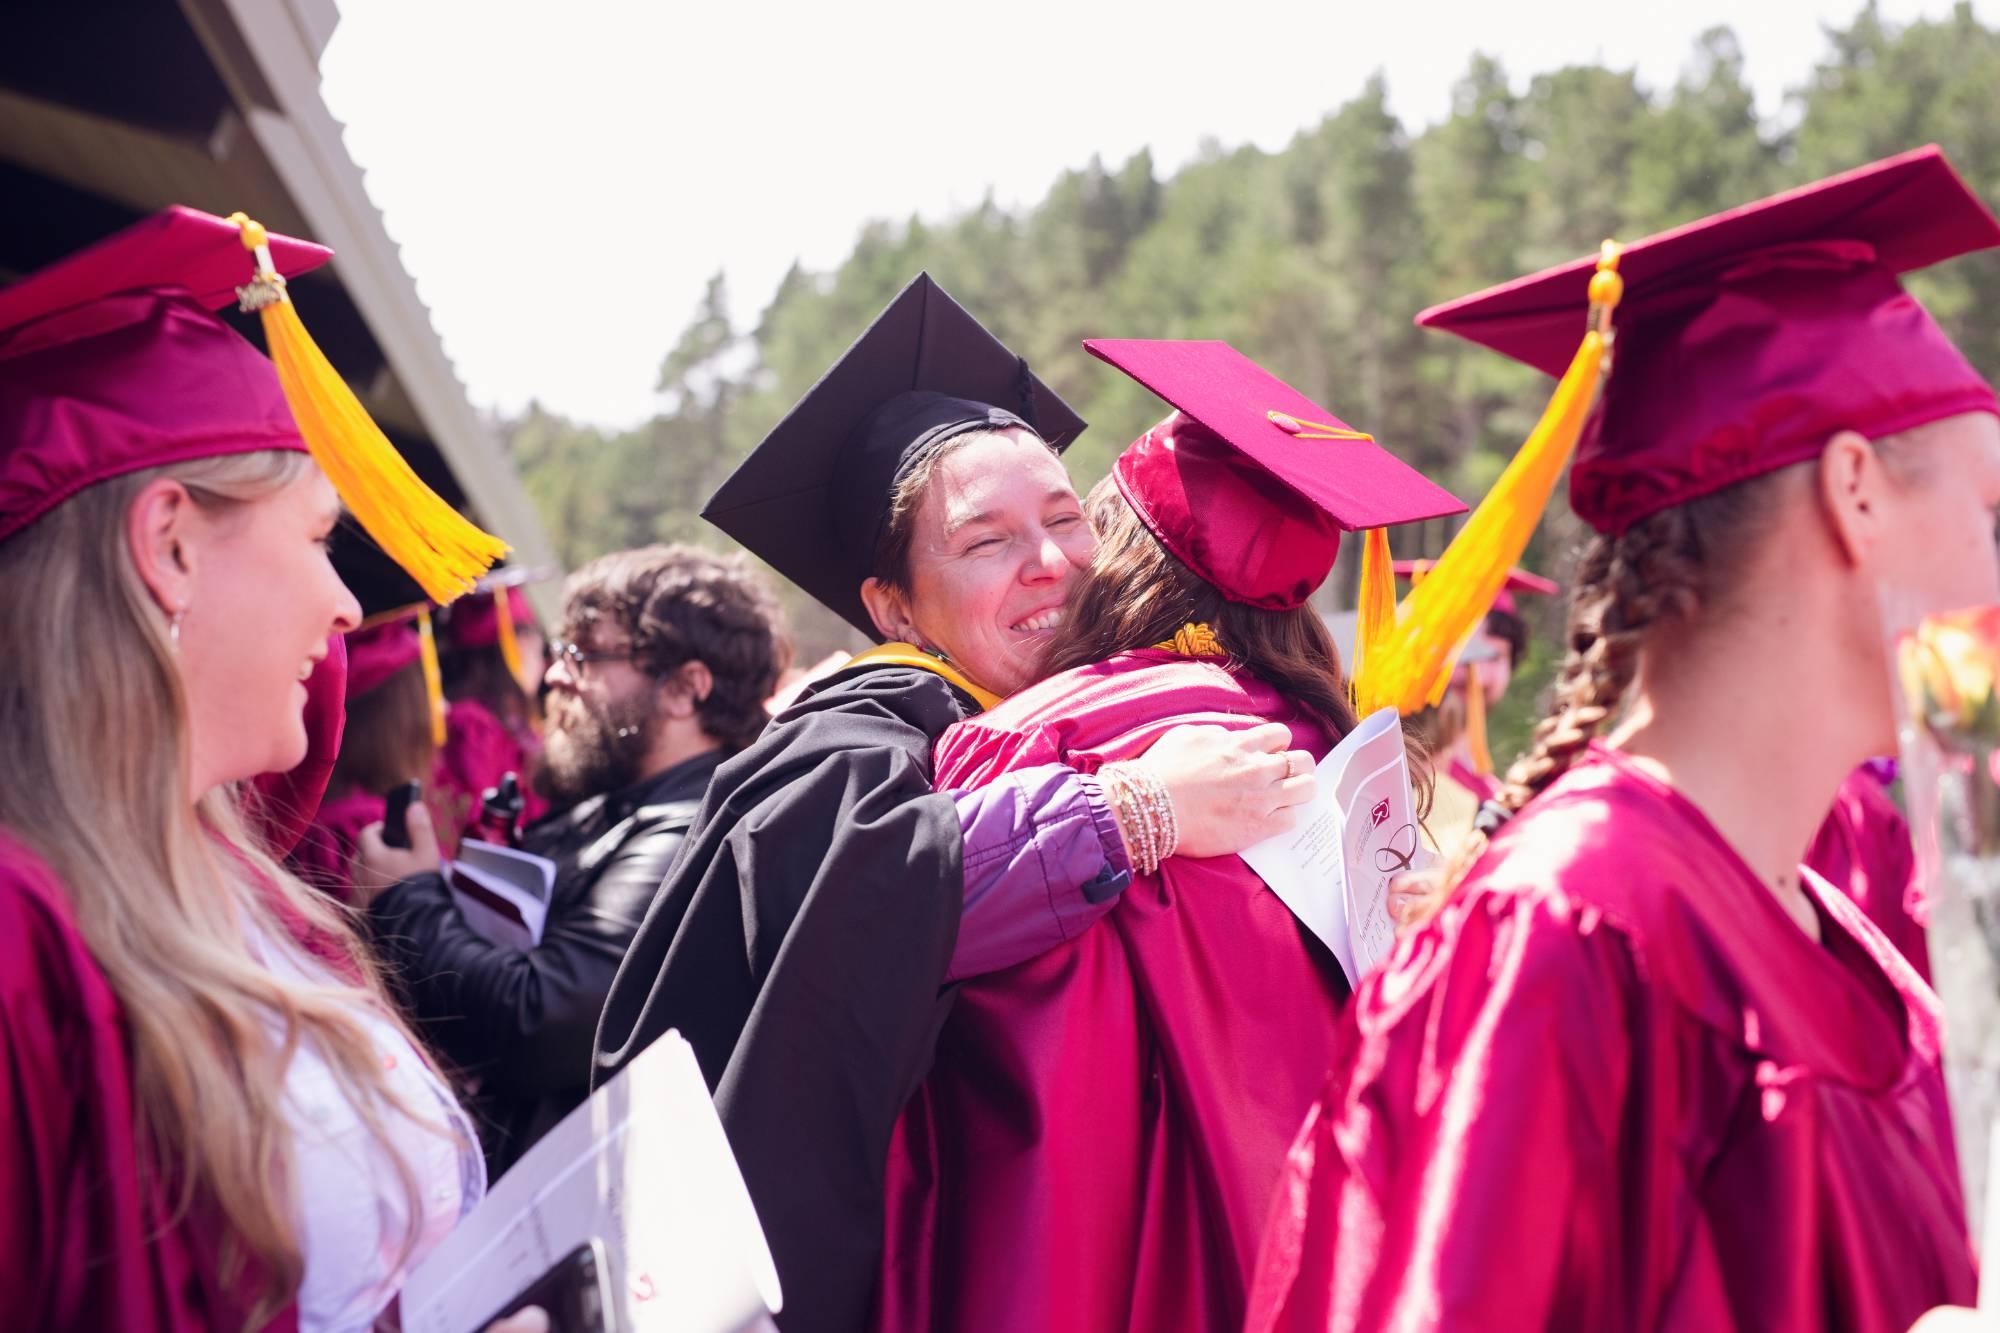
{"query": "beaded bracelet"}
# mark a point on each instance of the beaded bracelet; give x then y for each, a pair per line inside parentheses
(1160, 807)
(1131, 824)
(1145, 813)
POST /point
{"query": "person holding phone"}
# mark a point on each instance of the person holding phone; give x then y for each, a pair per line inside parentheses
(211, 1116)
(666, 657)
(385, 748)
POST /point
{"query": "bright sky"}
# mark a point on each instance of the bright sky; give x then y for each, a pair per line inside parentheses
(564, 178)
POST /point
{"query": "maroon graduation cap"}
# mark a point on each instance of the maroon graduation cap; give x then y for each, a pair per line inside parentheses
(111, 361)
(1746, 340)
(1249, 482)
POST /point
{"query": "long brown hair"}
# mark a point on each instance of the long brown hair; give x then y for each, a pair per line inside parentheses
(387, 741)
(169, 888)
(1138, 593)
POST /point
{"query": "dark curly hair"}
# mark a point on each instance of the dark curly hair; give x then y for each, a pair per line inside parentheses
(682, 604)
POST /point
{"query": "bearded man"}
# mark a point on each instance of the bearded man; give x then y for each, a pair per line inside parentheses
(666, 656)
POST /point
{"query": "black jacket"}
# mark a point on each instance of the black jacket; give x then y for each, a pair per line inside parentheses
(519, 1024)
(800, 946)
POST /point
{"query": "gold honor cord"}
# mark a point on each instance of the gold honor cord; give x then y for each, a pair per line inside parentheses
(1193, 640)
(1411, 663)
(436, 545)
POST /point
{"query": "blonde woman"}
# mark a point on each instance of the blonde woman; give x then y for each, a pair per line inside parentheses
(209, 1117)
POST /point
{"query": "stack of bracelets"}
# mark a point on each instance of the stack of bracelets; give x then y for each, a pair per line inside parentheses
(1144, 811)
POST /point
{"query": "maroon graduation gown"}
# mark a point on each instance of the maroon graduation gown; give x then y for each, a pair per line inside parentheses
(1096, 1146)
(85, 1244)
(1614, 1087)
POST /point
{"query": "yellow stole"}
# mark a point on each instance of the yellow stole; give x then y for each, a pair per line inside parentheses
(909, 655)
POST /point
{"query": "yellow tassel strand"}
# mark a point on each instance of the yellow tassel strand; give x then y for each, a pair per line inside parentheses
(1414, 663)
(1475, 722)
(510, 646)
(427, 653)
(436, 545)
(1376, 608)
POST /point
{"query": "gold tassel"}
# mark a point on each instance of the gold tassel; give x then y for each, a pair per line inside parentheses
(510, 646)
(1375, 609)
(1433, 624)
(436, 545)
(427, 653)
(1475, 722)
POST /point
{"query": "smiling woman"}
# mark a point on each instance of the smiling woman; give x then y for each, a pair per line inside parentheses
(192, 1042)
(827, 895)
(1167, 1055)
(985, 541)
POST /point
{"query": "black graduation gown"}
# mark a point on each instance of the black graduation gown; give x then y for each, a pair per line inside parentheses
(800, 944)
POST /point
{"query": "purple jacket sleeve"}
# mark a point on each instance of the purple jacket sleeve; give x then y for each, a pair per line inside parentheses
(1043, 861)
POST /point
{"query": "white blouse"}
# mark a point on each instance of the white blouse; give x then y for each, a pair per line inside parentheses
(352, 1212)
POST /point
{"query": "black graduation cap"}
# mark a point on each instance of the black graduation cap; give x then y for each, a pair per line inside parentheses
(813, 497)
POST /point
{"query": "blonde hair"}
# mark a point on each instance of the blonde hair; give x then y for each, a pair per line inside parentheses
(169, 888)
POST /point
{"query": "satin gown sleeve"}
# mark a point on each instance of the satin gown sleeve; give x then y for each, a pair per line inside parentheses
(1463, 1160)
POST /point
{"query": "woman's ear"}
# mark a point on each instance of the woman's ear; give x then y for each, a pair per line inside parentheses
(886, 609)
(160, 533)
(1853, 496)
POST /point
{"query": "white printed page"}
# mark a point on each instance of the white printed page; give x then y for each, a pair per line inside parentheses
(644, 1167)
(1379, 834)
(1333, 867)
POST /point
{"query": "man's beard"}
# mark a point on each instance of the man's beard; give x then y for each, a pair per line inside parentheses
(584, 754)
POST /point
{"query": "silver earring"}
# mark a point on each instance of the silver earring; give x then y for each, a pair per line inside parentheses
(174, 628)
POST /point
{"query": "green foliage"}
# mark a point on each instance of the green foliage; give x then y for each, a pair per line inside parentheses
(1312, 259)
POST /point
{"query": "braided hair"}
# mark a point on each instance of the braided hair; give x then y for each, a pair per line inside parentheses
(1665, 570)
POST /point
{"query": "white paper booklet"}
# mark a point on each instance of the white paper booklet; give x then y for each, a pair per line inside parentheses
(1357, 833)
(643, 1166)
(503, 893)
